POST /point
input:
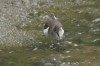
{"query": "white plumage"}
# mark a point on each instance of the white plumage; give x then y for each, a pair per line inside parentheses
(61, 32)
(45, 31)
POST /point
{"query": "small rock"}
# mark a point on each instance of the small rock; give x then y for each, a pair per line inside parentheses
(96, 20)
(0, 50)
(40, 42)
(67, 51)
(68, 56)
(75, 45)
(48, 64)
(35, 49)
(63, 64)
(11, 52)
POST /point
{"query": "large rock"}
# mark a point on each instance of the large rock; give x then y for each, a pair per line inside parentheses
(12, 13)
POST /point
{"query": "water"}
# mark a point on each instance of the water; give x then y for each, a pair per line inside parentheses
(79, 47)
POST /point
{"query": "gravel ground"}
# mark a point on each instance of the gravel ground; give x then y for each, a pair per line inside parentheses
(12, 13)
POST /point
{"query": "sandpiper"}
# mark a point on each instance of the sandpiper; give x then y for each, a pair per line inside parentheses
(53, 28)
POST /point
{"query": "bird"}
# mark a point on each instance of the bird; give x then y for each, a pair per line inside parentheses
(53, 28)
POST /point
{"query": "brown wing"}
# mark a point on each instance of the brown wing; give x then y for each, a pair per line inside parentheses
(56, 28)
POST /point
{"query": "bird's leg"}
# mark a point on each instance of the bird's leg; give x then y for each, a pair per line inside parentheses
(58, 42)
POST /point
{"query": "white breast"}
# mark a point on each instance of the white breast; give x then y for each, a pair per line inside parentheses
(45, 31)
(61, 32)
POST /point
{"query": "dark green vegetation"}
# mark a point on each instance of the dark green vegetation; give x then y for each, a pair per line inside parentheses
(80, 46)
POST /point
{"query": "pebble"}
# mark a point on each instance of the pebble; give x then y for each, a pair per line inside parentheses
(75, 45)
(67, 51)
(11, 52)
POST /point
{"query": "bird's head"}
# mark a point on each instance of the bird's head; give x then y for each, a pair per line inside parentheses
(52, 16)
